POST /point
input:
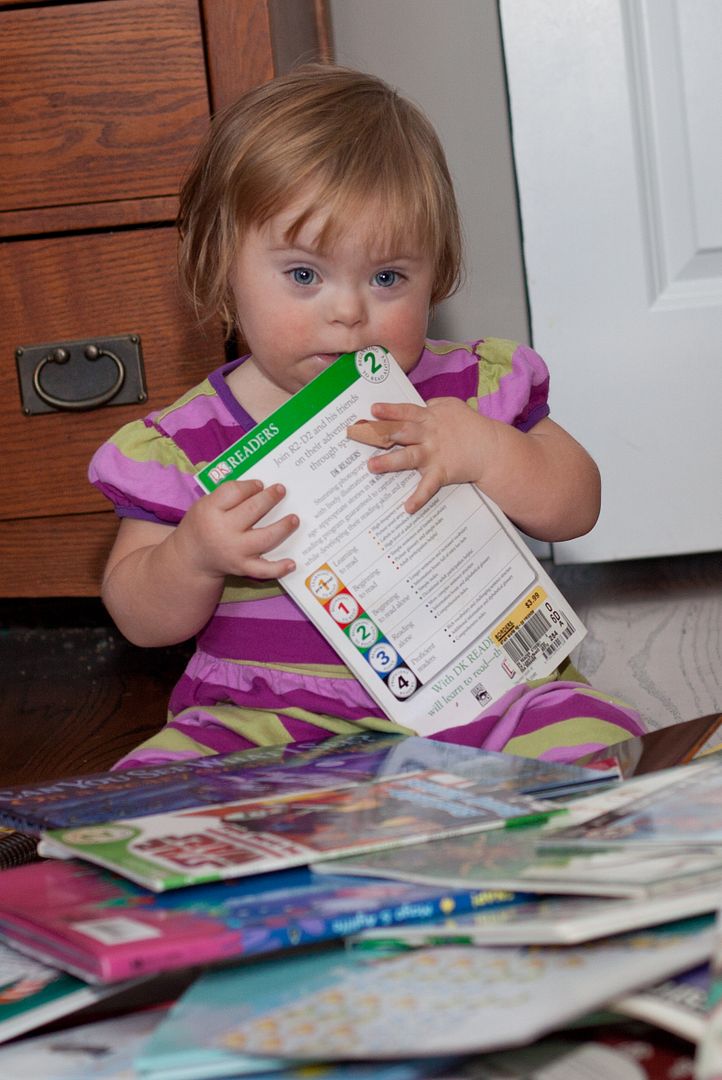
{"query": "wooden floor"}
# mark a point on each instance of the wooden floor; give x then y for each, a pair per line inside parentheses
(75, 696)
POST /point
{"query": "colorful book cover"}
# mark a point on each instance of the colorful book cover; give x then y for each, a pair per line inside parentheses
(687, 811)
(33, 994)
(542, 920)
(437, 613)
(151, 789)
(262, 772)
(512, 859)
(167, 851)
(104, 928)
(436, 1002)
(190, 1042)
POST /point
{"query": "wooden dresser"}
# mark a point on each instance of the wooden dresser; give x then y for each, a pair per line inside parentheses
(103, 105)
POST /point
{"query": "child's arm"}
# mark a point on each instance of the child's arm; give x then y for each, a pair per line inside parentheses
(162, 583)
(542, 479)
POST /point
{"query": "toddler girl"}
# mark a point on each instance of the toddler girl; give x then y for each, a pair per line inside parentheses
(319, 218)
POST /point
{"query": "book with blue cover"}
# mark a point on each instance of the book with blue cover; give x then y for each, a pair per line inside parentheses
(103, 928)
(266, 771)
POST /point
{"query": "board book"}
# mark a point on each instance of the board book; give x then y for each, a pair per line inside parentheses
(103, 928)
(261, 772)
(438, 613)
(168, 851)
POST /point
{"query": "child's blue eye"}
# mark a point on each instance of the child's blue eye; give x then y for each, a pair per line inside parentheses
(385, 278)
(303, 275)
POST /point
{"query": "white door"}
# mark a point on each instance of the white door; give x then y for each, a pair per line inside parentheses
(616, 110)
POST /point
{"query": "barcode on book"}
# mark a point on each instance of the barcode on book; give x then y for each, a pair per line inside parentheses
(537, 634)
(116, 931)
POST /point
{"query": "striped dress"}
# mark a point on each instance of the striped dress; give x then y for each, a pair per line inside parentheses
(262, 673)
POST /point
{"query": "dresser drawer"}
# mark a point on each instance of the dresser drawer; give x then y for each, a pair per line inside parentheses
(69, 288)
(101, 101)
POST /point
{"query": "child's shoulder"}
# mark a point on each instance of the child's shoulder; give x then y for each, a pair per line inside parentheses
(488, 360)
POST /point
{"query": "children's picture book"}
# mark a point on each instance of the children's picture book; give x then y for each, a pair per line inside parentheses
(437, 613)
(428, 1002)
(190, 1041)
(168, 851)
(512, 859)
(542, 920)
(103, 928)
(686, 812)
(33, 994)
(267, 771)
(103, 1050)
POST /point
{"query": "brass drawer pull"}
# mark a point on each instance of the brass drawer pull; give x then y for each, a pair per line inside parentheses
(76, 376)
(61, 356)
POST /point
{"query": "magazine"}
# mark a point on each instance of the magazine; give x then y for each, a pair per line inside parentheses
(436, 1002)
(103, 928)
(167, 851)
(544, 920)
(275, 770)
(33, 994)
(686, 812)
(437, 613)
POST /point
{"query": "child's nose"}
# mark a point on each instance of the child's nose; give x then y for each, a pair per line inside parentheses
(348, 307)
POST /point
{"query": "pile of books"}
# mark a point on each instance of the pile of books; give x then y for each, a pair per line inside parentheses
(372, 905)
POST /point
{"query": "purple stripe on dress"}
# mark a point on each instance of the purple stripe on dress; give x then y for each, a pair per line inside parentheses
(173, 490)
(263, 639)
(273, 607)
(433, 363)
(218, 380)
(208, 681)
(205, 443)
(459, 384)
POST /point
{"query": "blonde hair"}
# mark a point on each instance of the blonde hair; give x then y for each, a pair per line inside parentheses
(345, 137)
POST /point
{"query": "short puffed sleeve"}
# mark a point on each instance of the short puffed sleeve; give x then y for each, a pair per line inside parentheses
(513, 383)
(145, 474)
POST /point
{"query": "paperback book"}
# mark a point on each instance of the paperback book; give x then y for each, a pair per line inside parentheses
(33, 994)
(437, 613)
(263, 772)
(529, 859)
(167, 851)
(103, 928)
(542, 920)
(428, 1002)
(687, 811)
(679, 1004)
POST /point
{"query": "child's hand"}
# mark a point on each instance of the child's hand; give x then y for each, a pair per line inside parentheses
(219, 534)
(447, 442)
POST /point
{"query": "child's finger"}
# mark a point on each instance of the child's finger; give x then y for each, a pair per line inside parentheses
(378, 433)
(386, 410)
(265, 569)
(427, 487)
(234, 492)
(266, 537)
